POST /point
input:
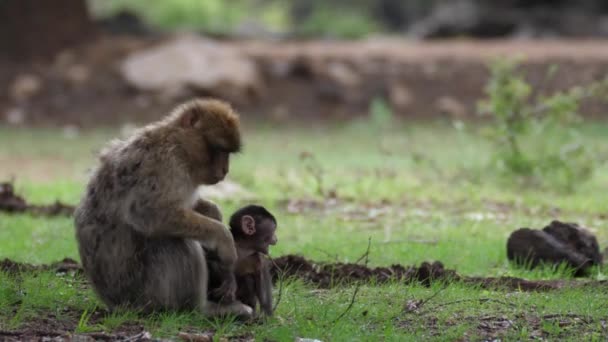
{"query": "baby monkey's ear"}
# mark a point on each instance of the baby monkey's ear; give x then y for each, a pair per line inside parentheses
(248, 224)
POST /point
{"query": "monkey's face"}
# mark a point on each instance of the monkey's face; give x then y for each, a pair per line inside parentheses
(266, 236)
(218, 166)
(257, 234)
(210, 133)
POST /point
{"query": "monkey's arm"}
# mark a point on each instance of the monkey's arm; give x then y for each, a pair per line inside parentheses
(246, 291)
(222, 285)
(208, 208)
(163, 218)
(264, 286)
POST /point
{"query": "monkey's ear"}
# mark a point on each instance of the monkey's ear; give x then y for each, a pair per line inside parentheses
(189, 119)
(248, 225)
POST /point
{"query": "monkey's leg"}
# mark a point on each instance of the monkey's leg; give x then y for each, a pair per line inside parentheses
(177, 279)
(208, 208)
(176, 274)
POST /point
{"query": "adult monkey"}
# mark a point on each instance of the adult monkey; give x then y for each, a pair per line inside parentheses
(139, 237)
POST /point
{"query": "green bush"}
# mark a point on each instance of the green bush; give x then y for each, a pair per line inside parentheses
(536, 136)
(349, 24)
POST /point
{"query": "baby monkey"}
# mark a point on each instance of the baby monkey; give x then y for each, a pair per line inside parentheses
(253, 229)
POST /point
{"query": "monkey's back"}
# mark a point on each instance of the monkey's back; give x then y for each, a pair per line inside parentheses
(111, 251)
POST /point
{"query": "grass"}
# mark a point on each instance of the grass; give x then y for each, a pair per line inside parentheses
(421, 191)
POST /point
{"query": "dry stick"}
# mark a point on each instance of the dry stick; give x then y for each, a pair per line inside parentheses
(358, 286)
(366, 254)
(142, 335)
(428, 299)
(585, 319)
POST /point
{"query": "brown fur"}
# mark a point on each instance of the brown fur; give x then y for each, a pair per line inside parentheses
(254, 283)
(253, 229)
(139, 238)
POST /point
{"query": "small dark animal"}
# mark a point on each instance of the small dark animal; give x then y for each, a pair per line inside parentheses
(557, 243)
(253, 229)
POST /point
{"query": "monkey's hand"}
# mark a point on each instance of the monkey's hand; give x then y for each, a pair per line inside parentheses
(208, 208)
(226, 250)
(226, 292)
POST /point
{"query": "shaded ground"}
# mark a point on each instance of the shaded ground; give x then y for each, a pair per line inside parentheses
(323, 79)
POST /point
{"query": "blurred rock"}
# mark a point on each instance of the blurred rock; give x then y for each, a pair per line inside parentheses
(24, 87)
(77, 74)
(15, 116)
(451, 107)
(194, 62)
(342, 74)
(557, 243)
(399, 96)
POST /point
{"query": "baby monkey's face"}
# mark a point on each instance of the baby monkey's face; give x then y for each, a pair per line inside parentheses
(254, 229)
(266, 235)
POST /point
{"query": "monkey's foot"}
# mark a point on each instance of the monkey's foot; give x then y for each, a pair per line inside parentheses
(241, 311)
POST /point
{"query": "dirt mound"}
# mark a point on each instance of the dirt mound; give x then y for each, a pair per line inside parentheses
(335, 274)
(66, 265)
(13, 203)
(327, 275)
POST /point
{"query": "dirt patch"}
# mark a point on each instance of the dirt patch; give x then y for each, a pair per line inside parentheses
(332, 274)
(327, 275)
(13, 203)
(61, 327)
(66, 265)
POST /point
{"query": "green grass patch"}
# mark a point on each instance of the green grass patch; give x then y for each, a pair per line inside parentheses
(421, 191)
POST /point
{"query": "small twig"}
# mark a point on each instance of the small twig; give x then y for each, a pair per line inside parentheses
(280, 280)
(415, 305)
(585, 319)
(366, 254)
(142, 335)
(358, 286)
(428, 299)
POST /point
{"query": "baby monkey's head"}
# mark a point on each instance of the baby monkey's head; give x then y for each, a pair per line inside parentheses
(253, 228)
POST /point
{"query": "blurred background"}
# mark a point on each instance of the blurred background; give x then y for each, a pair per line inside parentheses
(85, 63)
(428, 81)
